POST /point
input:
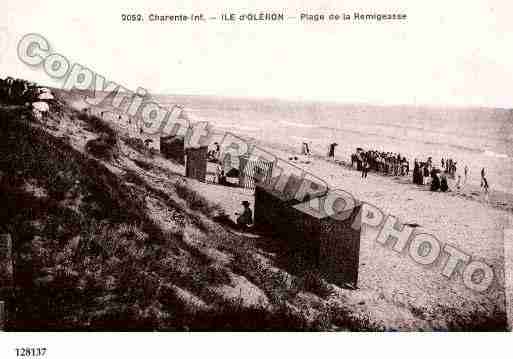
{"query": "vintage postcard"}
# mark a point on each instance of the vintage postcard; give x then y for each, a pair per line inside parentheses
(276, 166)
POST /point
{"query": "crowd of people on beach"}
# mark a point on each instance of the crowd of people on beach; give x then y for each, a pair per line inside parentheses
(387, 163)
(427, 173)
(448, 165)
(424, 172)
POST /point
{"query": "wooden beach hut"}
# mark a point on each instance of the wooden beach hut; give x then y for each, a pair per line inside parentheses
(173, 147)
(313, 240)
(194, 158)
(196, 163)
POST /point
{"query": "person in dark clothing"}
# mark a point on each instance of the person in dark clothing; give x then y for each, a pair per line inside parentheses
(246, 218)
(426, 170)
(484, 182)
(444, 187)
(417, 174)
(365, 168)
(435, 183)
(331, 151)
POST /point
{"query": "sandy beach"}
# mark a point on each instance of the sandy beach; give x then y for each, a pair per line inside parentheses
(462, 219)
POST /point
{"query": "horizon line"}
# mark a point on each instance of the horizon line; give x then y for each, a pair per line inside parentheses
(307, 100)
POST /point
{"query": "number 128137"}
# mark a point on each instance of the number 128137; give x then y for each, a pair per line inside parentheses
(30, 352)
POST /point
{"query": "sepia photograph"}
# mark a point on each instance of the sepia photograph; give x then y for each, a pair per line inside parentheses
(286, 166)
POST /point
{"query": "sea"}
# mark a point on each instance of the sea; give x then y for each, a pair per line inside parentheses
(475, 137)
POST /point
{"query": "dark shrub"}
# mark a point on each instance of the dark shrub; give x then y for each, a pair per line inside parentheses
(103, 147)
(138, 145)
(196, 201)
(313, 282)
(97, 125)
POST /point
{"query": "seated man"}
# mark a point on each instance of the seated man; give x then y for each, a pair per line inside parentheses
(246, 218)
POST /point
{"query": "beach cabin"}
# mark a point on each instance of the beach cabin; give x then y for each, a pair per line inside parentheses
(313, 240)
(196, 163)
(253, 171)
(173, 147)
(193, 158)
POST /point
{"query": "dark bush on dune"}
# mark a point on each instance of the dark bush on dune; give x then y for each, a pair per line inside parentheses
(106, 145)
(138, 145)
(96, 124)
(144, 165)
(313, 282)
(196, 201)
(103, 147)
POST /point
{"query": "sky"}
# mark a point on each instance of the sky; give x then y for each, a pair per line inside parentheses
(445, 53)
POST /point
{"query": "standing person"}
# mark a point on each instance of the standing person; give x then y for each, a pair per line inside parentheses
(444, 187)
(331, 151)
(415, 171)
(466, 174)
(484, 184)
(365, 167)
